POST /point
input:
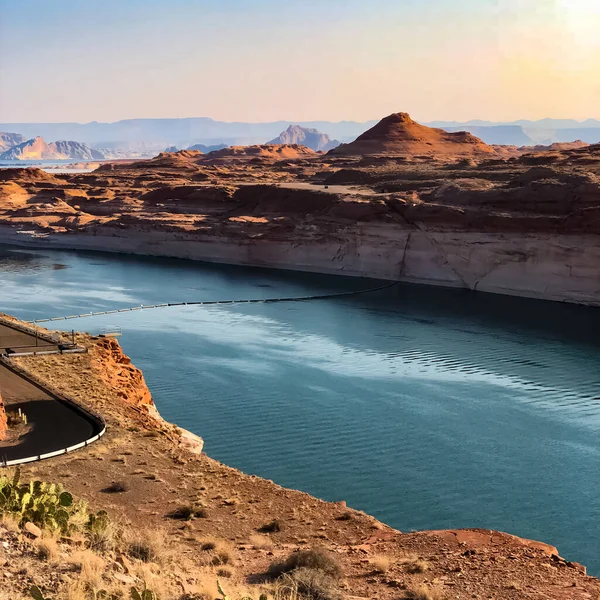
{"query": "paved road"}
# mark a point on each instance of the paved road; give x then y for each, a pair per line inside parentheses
(55, 424)
(21, 341)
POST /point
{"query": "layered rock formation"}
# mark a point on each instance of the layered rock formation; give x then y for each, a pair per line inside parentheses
(398, 134)
(37, 148)
(524, 224)
(311, 138)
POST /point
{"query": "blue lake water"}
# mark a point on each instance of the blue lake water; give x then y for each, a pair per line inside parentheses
(426, 407)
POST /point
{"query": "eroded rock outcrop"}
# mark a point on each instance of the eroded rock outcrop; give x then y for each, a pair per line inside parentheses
(117, 371)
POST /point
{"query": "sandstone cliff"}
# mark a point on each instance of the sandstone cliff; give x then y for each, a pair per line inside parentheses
(311, 138)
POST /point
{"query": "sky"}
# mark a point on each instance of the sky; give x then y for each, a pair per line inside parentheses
(298, 60)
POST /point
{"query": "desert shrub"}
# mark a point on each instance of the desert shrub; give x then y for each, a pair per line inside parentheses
(271, 527)
(147, 546)
(47, 549)
(141, 550)
(186, 512)
(311, 584)
(414, 564)
(381, 563)
(315, 559)
(116, 487)
(102, 534)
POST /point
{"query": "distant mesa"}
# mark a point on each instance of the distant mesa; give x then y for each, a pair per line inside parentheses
(311, 138)
(207, 149)
(171, 149)
(577, 144)
(262, 151)
(398, 134)
(36, 149)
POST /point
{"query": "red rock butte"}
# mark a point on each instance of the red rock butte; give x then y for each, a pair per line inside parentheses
(398, 134)
(277, 151)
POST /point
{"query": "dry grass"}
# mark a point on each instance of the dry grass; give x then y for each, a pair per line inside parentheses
(413, 564)
(47, 549)
(10, 522)
(422, 592)
(261, 542)
(91, 568)
(381, 563)
(148, 546)
(219, 552)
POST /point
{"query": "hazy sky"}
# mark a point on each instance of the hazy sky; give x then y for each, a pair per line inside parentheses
(264, 60)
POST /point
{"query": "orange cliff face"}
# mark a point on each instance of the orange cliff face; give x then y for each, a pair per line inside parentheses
(398, 134)
(116, 370)
(3, 420)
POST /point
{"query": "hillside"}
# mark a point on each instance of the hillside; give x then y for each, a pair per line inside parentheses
(178, 521)
(398, 134)
(311, 138)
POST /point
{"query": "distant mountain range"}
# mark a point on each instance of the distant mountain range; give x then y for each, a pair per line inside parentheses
(37, 148)
(148, 137)
(206, 149)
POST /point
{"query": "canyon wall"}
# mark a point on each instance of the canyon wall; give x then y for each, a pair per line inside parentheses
(548, 266)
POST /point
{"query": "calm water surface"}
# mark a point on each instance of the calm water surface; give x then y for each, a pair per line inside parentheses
(428, 408)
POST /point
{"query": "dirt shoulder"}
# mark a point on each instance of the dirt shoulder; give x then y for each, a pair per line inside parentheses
(161, 471)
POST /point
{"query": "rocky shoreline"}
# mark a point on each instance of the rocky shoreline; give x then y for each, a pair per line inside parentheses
(554, 267)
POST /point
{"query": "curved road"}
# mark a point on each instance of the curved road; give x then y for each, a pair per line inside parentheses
(55, 424)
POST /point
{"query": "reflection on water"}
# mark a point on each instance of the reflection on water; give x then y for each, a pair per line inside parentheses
(19, 262)
(426, 407)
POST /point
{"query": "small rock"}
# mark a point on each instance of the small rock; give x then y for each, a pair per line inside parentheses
(33, 530)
